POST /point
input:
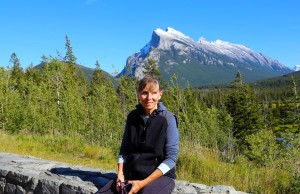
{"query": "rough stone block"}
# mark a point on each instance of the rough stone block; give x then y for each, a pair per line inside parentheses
(184, 189)
(20, 190)
(47, 187)
(23, 174)
(217, 188)
(2, 185)
(10, 188)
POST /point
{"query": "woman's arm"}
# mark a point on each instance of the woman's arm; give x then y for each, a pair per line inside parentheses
(171, 147)
(122, 157)
(139, 184)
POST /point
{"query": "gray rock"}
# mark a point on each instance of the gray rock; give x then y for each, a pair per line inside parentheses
(184, 189)
(47, 186)
(10, 188)
(218, 188)
(2, 184)
(20, 190)
(24, 174)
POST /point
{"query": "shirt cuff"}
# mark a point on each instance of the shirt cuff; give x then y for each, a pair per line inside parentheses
(164, 168)
(121, 159)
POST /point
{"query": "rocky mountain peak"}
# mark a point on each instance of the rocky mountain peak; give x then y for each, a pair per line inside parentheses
(201, 62)
(297, 68)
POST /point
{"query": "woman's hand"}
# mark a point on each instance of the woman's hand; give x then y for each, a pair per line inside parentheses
(120, 182)
(121, 178)
(136, 186)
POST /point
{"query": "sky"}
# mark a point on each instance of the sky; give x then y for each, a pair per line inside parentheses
(109, 31)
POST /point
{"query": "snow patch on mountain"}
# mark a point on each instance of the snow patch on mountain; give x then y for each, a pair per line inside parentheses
(239, 52)
(169, 38)
(297, 68)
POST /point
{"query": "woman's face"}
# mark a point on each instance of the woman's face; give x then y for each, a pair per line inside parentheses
(149, 97)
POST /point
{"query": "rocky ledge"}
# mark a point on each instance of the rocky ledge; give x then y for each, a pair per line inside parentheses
(25, 174)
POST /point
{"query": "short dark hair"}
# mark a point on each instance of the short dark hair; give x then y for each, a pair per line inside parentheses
(148, 79)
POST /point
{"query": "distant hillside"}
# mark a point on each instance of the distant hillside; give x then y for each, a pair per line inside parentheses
(86, 70)
(284, 81)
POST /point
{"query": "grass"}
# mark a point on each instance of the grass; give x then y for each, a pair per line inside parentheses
(195, 163)
(70, 150)
(203, 165)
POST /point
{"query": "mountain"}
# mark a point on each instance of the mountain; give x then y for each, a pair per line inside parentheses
(296, 68)
(201, 62)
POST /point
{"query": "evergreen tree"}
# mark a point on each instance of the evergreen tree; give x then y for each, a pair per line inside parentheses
(34, 121)
(51, 103)
(295, 103)
(126, 90)
(72, 100)
(243, 106)
(70, 58)
(17, 73)
(197, 123)
(4, 89)
(151, 68)
(12, 101)
(105, 116)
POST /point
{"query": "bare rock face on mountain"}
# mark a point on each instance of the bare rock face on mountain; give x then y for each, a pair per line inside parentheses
(201, 62)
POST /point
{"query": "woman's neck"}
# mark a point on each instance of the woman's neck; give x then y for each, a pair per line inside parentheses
(149, 112)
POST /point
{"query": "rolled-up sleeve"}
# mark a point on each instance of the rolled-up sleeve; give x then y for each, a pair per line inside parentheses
(171, 146)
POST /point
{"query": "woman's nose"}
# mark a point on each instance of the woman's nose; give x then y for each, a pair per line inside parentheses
(149, 96)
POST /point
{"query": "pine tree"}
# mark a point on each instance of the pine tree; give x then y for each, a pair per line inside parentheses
(17, 73)
(295, 103)
(4, 89)
(12, 100)
(34, 122)
(151, 68)
(70, 58)
(104, 110)
(126, 90)
(243, 106)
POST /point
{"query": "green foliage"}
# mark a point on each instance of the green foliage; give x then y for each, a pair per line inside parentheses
(198, 164)
(60, 103)
(243, 106)
(295, 184)
(126, 90)
(198, 124)
(70, 58)
(103, 119)
(263, 148)
(152, 69)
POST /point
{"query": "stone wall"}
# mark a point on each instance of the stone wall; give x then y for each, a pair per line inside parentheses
(29, 175)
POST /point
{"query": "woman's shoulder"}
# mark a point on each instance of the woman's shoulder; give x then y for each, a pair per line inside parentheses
(169, 116)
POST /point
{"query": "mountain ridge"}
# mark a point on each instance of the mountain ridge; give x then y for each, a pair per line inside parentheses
(201, 62)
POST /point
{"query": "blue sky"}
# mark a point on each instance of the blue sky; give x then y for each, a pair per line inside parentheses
(111, 30)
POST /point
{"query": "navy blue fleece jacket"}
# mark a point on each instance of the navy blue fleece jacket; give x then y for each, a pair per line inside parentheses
(171, 147)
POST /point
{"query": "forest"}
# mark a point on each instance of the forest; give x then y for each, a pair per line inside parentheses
(241, 135)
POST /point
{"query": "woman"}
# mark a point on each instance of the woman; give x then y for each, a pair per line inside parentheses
(149, 146)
